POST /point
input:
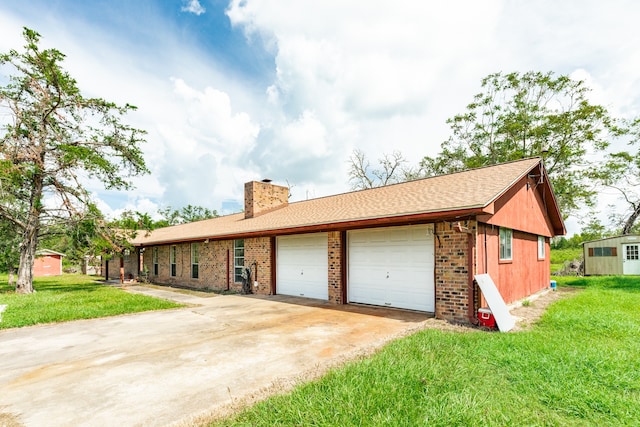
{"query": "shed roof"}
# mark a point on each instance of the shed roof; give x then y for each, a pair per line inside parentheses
(446, 196)
(43, 252)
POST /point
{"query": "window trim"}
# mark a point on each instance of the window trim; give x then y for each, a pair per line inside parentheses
(237, 266)
(542, 245)
(194, 260)
(172, 261)
(504, 245)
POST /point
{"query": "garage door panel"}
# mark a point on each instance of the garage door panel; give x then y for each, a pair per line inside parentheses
(302, 266)
(392, 267)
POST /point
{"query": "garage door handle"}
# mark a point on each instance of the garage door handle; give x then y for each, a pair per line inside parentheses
(302, 272)
(387, 274)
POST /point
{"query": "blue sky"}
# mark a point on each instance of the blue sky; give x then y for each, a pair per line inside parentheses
(231, 91)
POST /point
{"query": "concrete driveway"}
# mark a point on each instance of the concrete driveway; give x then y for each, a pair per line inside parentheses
(166, 367)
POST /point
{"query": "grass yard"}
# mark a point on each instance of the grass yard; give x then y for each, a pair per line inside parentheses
(559, 256)
(578, 366)
(70, 297)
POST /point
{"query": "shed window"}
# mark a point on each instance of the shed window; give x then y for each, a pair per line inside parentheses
(194, 260)
(633, 253)
(541, 246)
(607, 251)
(172, 260)
(238, 259)
(506, 240)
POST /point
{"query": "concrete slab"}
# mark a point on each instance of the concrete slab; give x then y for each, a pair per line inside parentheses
(161, 368)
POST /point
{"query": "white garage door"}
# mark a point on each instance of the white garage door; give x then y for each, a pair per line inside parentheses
(392, 267)
(302, 266)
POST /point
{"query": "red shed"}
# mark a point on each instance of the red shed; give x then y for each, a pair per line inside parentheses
(47, 263)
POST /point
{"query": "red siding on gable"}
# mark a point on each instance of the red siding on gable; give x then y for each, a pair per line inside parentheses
(524, 274)
(522, 208)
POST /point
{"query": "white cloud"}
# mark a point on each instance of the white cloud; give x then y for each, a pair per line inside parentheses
(378, 76)
(193, 6)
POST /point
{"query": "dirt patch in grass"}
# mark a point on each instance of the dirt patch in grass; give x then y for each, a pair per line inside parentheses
(534, 307)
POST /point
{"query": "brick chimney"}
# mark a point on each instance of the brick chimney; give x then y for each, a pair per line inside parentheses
(261, 197)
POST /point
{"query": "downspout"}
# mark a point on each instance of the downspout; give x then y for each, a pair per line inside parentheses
(471, 289)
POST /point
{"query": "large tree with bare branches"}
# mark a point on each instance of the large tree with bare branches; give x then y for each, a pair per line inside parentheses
(52, 139)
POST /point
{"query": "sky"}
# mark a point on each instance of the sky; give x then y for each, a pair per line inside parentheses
(241, 90)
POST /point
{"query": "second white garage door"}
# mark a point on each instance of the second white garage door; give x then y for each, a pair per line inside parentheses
(392, 267)
(302, 266)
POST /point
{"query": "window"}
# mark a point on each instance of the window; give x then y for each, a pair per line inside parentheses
(194, 260)
(506, 237)
(155, 260)
(541, 246)
(603, 251)
(172, 260)
(238, 259)
(633, 253)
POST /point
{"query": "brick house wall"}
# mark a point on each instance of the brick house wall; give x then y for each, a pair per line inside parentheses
(257, 256)
(452, 271)
(337, 263)
(216, 269)
(111, 267)
(215, 265)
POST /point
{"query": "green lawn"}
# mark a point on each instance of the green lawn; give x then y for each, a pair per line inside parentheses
(578, 366)
(70, 297)
(559, 256)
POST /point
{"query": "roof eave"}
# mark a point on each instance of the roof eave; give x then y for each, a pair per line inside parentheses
(404, 219)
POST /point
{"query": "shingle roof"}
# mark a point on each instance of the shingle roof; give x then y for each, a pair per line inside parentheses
(462, 191)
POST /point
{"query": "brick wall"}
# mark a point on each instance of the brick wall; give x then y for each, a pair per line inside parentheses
(451, 271)
(257, 256)
(215, 265)
(213, 272)
(335, 254)
(262, 197)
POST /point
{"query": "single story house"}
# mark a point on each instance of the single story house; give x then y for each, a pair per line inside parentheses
(415, 245)
(612, 256)
(47, 263)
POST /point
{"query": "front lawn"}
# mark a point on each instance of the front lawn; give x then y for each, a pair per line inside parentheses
(70, 297)
(579, 365)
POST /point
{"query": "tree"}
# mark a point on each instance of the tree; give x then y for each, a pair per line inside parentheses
(527, 115)
(392, 169)
(188, 213)
(53, 140)
(621, 171)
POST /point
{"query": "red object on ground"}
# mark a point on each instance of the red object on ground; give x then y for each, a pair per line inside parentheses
(486, 319)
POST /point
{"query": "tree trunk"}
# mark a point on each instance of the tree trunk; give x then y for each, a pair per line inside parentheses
(631, 220)
(29, 244)
(24, 284)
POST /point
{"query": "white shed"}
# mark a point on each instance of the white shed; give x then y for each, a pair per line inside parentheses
(612, 256)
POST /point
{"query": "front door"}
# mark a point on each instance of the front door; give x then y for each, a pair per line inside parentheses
(631, 258)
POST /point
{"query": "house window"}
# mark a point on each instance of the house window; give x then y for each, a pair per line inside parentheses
(506, 240)
(194, 260)
(607, 251)
(172, 260)
(541, 245)
(238, 259)
(155, 260)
